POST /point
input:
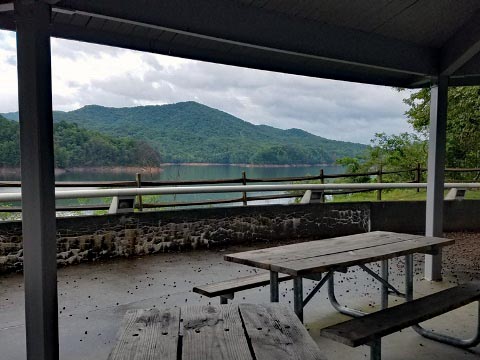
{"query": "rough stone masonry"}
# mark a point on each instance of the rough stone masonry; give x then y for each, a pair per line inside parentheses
(90, 238)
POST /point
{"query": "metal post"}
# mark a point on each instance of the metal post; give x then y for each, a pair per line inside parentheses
(409, 277)
(138, 179)
(298, 296)
(38, 181)
(274, 292)
(436, 169)
(244, 182)
(418, 175)
(384, 301)
(379, 180)
(376, 350)
(322, 181)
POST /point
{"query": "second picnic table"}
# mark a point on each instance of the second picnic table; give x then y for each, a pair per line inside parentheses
(311, 259)
(214, 332)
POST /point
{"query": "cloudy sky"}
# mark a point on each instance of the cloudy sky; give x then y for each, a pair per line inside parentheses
(91, 74)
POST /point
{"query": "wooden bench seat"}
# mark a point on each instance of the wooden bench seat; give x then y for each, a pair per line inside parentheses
(369, 328)
(226, 289)
(214, 332)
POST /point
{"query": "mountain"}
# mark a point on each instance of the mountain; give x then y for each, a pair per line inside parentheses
(192, 132)
(75, 146)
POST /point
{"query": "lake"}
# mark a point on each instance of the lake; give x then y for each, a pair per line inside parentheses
(192, 172)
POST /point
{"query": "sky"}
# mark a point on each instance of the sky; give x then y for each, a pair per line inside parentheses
(84, 74)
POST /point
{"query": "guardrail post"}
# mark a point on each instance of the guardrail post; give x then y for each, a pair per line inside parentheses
(138, 179)
(379, 180)
(418, 175)
(322, 181)
(244, 182)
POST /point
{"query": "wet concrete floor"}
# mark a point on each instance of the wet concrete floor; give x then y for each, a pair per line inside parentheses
(94, 297)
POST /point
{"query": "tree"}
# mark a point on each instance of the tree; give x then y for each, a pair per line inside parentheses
(391, 153)
(463, 123)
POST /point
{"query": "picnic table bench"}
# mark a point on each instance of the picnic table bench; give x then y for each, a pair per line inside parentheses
(227, 289)
(369, 329)
(214, 332)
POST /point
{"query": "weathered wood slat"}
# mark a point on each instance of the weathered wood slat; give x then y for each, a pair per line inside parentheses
(239, 284)
(213, 333)
(276, 333)
(263, 258)
(360, 256)
(361, 331)
(148, 335)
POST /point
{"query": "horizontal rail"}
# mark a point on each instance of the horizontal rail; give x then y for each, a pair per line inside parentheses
(123, 184)
(72, 194)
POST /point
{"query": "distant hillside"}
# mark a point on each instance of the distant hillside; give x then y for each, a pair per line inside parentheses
(77, 147)
(192, 132)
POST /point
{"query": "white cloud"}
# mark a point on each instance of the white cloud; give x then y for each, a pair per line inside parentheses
(91, 74)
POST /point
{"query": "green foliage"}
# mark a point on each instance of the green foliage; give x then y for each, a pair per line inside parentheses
(77, 147)
(191, 132)
(463, 123)
(352, 166)
(390, 153)
(9, 148)
(397, 152)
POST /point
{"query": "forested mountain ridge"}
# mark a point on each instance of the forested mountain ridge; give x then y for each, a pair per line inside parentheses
(78, 147)
(192, 132)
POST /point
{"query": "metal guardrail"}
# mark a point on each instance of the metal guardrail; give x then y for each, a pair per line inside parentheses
(189, 187)
(73, 194)
(100, 193)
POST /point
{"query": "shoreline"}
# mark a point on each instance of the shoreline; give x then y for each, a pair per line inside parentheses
(248, 165)
(156, 169)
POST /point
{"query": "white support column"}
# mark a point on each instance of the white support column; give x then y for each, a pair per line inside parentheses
(436, 169)
(38, 182)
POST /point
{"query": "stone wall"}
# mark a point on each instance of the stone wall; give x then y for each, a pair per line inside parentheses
(90, 238)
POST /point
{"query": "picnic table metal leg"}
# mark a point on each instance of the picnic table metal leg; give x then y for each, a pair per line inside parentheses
(274, 292)
(333, 300)
(409, 277)
(450, 340)
(298, 297)
(376, 350)
(384, 301)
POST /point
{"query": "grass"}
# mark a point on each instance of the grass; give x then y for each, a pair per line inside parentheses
(396, 195)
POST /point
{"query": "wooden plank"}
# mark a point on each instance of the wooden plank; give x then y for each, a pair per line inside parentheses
(239, 284)
(361, 256)
(213, 332)
(362, 330)
(263, 258)
(275, 332)
(148, 335)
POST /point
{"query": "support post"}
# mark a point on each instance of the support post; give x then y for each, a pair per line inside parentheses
(298, 296)
(418, 175)
(384, 287)
(409, 277)
(138, 180)
(244, 182)
(322, 181)
(379, 180)
(436, 170)
(274, 290)
(38, 181)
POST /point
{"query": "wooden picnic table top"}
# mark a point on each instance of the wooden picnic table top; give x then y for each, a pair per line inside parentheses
(340, 252)
(211, 332)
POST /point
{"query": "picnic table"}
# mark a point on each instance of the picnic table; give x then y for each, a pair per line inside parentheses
(312, 259)
(213, 332)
